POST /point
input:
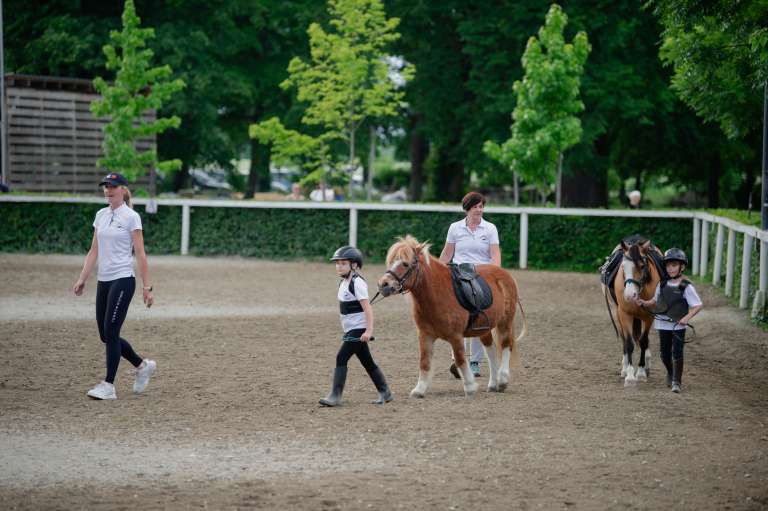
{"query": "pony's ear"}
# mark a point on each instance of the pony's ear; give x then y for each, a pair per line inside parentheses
(624, 246)
(645, 246)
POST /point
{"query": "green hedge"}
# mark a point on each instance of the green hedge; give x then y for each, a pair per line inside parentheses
(555, 242)
(582, 243)
(65, 228)
(268, 233)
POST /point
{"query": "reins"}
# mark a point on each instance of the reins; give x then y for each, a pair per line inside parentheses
(657, 315)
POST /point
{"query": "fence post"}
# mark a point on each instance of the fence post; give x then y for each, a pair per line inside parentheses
(730, 262)
(704, 248)
(185, 229)
(523, 241)
(763, 286)
(758, 304)
(718, 269)
(746, 260)
(696, 244)
(353, 226)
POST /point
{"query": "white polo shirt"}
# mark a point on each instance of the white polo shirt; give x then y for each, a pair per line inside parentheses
(114, 230)
(472, 247)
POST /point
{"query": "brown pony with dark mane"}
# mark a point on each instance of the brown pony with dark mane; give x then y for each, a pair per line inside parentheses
(438, 314)
(636, 278)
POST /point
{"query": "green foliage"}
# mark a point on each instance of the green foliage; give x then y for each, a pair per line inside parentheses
(346, 83)
(62, 228)
(719, 52)
(555, 242)
(268, 233)
(583, 243)
(291, 147)
(136, 90)
(544, 118)
(745, 217)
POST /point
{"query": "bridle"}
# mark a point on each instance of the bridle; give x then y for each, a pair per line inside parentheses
(644, 272)
(400, 280)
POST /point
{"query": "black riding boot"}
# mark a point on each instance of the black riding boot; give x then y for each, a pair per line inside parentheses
(677, 375)
(666, 359)
(339, 377)
(385, 395)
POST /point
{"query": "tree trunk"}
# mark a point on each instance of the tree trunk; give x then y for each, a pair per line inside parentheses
(371, 158)
(516, 188)
(419, 150)
(584, 189)
(181, 178)
(713, 180)
(559, 182)
(589, 188)
(449, 173)
(258, 175)
(350, 166)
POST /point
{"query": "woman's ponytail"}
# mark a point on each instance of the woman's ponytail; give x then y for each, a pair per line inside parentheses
(127, 196)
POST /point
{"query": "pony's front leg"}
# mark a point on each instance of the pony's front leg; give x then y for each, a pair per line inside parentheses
(426, 344)
(470, 385)
(644, 366)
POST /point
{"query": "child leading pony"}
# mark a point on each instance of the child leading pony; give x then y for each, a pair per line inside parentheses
(637, 277)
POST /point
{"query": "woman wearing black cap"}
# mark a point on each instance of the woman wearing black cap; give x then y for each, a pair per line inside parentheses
(117, 235)
(472, 240)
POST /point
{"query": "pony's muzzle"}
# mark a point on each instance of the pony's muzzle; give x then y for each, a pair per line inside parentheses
(385, 289)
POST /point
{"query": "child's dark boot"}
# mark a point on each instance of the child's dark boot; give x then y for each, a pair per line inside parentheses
(385, 395)
(677, 375)
(339, 378)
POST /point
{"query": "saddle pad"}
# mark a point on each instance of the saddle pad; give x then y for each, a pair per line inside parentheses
(472, 292)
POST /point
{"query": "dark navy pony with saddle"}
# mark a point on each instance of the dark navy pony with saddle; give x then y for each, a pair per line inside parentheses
(472, 293)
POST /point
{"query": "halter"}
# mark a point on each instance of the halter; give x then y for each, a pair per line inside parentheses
(400, 280)
(643, 273)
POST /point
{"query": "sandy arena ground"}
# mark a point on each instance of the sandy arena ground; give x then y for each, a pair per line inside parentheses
(245, 349)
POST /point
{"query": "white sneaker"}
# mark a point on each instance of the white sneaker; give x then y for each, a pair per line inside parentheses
(103, 390)
(143, 373)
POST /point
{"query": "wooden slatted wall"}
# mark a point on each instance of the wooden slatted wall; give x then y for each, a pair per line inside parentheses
(54, 141)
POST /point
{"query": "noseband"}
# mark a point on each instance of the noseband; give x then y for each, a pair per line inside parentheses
(644, 272)
(401, 280)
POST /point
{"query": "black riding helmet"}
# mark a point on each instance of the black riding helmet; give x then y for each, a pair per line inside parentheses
(350, 253)
(675, 254)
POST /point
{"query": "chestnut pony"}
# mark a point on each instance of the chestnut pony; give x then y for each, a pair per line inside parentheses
(637, 277)
(438, 314)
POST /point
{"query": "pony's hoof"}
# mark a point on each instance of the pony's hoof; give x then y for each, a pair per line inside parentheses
(417, 394)
(642, 376)
(494, 388)
(629, 382)
(502, 387)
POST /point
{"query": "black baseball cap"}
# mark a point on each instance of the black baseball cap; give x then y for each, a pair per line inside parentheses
(114, 179)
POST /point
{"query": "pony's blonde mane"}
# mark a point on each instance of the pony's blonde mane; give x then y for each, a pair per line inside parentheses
(404, 249)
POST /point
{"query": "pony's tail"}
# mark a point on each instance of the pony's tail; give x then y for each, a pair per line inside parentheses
(525, 323)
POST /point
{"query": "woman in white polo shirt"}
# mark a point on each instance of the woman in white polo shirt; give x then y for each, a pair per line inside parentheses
(472, 240)
(117, 235)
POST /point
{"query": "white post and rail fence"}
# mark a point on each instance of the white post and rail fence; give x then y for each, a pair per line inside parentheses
(703, 223)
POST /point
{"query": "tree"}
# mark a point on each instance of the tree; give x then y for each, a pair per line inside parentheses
(348, 81)
(719, 52)
(137, 89)
(544, 118)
